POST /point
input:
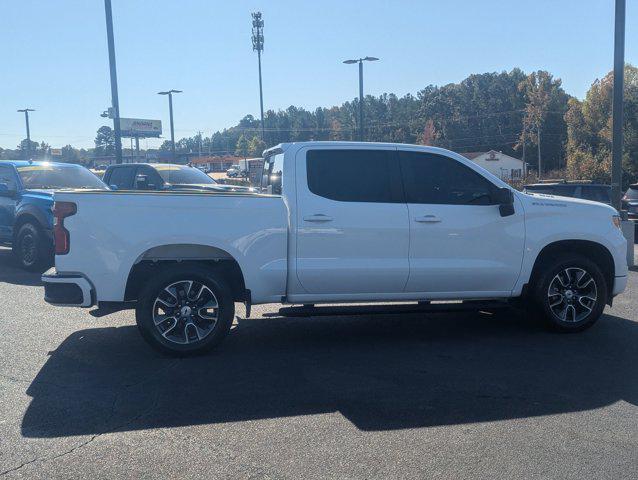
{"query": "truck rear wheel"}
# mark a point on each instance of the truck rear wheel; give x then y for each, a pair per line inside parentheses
(571, 293)
(185, 311)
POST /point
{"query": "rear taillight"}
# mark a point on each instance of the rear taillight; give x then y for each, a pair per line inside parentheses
(61, 237)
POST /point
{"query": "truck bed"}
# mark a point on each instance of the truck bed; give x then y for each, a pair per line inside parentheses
(113, 230)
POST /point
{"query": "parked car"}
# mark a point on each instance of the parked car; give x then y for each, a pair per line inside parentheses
(26, 198)
(336, 222)
(235, 171)
(589, 191)
(630, 203)
(163, 176)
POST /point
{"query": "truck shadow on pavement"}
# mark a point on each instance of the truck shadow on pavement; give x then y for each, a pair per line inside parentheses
(10, 271)
(381, 373)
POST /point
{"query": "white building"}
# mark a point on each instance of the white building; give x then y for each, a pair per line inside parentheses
(497, 163)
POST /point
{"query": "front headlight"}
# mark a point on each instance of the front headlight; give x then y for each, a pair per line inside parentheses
(616, 220)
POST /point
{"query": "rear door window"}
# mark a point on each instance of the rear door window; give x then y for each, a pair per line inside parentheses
(354, 175)
(122, 177)
(153, 179)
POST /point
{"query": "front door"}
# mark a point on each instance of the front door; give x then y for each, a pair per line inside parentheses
(352, 222)
(460, 245)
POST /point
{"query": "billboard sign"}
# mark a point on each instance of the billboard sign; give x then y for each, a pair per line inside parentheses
(138, 127)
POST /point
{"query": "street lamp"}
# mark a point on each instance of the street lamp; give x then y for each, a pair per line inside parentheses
(360, 62)
(617, 105)
(115, 103)
(26, 119)
(170, 112)
(258, 46)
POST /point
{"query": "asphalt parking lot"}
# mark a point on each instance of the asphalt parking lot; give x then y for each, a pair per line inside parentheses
(463, 395)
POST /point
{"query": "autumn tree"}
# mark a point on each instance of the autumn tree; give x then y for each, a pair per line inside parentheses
(589, 130)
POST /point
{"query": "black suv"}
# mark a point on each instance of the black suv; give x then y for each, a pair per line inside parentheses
(163, 176)
(589, 191)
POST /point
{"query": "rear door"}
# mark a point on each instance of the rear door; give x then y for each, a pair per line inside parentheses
(352, 222)
(7, 203)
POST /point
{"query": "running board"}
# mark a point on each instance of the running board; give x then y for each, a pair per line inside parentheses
(384, 309)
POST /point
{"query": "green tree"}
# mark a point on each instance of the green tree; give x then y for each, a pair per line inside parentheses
(24, 150)
(105, 141)
(545, 101)
(256, 146)
(70, 154)
(241, 150)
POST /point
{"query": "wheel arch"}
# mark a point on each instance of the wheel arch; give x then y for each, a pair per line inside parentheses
(26, 217)
(164, 256)
(594, 251)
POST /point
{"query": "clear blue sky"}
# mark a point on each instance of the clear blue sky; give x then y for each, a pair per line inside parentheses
(54, 55)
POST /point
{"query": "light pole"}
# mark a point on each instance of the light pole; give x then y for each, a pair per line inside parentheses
(360, 62)
(617, 105)
(26, 119)
(170, 112)
(115, 103)
(258, 46)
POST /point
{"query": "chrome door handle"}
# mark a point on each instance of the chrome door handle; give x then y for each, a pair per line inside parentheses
(319, 217)
(427, 219)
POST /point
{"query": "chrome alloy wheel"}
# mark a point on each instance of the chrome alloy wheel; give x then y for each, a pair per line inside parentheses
(572, 295)
(185, 312)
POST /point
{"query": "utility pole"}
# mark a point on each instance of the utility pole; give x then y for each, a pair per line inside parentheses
(199, 141)
(617, 108)
(361, 134)
(170, 113)
(258, 46)
(26, 119)
(538, 141)
(114, 97)
(360, 62)
(524, 164)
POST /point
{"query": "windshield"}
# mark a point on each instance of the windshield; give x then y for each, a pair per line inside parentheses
(52, 177)
(183, 175)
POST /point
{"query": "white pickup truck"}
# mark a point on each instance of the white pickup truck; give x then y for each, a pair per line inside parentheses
(336, 222)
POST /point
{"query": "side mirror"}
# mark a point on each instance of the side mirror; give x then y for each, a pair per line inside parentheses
(5, 191)
(505, 199)
(113, 187)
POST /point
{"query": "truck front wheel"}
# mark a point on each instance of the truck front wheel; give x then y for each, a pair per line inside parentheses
(571, 293)
(31, 248)
(185, 311)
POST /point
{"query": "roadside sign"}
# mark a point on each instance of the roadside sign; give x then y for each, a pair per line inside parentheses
(139, 127)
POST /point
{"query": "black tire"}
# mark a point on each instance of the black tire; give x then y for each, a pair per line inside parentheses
(576, 310)
(166, 336)
(31, 248)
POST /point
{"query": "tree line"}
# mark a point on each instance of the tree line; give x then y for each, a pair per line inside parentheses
(526, 115)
